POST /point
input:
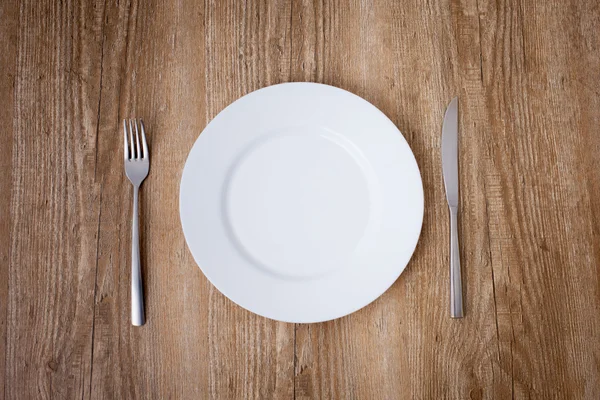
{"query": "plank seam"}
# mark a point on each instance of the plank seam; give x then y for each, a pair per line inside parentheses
(95, 290)
(100, 203)
(100, 92)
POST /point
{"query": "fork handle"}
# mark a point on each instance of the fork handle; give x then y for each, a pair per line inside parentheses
(137, 291)
(456, 297)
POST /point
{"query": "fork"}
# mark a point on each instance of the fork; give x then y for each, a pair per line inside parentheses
(137, 164)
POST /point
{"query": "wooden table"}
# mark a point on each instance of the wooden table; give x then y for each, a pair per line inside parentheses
(528, 76)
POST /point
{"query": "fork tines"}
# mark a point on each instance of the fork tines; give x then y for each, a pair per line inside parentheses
(132, 148)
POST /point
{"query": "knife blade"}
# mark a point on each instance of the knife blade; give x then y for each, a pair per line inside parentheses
(450, 152)
(450, 173)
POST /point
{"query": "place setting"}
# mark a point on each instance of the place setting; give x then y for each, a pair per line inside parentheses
(300, 202)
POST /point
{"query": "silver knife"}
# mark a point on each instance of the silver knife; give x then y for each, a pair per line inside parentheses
(450, 171)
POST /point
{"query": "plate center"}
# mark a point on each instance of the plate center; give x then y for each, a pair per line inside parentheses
(297, 202)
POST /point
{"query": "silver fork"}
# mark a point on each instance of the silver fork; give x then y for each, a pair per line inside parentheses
(137, 164)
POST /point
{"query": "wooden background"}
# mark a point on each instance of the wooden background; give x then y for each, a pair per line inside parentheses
(528, 76)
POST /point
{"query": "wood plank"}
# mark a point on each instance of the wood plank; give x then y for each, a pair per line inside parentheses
(499, 191)
(9, 29)
(540, 213)
(116, 359)
(150, 57)
(54, 199)
(491, 378)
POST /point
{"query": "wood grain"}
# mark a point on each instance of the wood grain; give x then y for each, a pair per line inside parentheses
(8, 30)
(53, 204)
(527, 76)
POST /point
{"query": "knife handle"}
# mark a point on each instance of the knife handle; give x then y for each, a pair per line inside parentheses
(456, 297)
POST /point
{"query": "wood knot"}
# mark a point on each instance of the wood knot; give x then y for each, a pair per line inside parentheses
(53, 365)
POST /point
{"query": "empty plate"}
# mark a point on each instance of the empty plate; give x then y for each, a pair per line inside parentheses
(301, 202)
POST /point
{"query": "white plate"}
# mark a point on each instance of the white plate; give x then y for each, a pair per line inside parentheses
(301, 202)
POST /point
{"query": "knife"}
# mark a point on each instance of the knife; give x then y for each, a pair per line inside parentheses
(450, 172)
